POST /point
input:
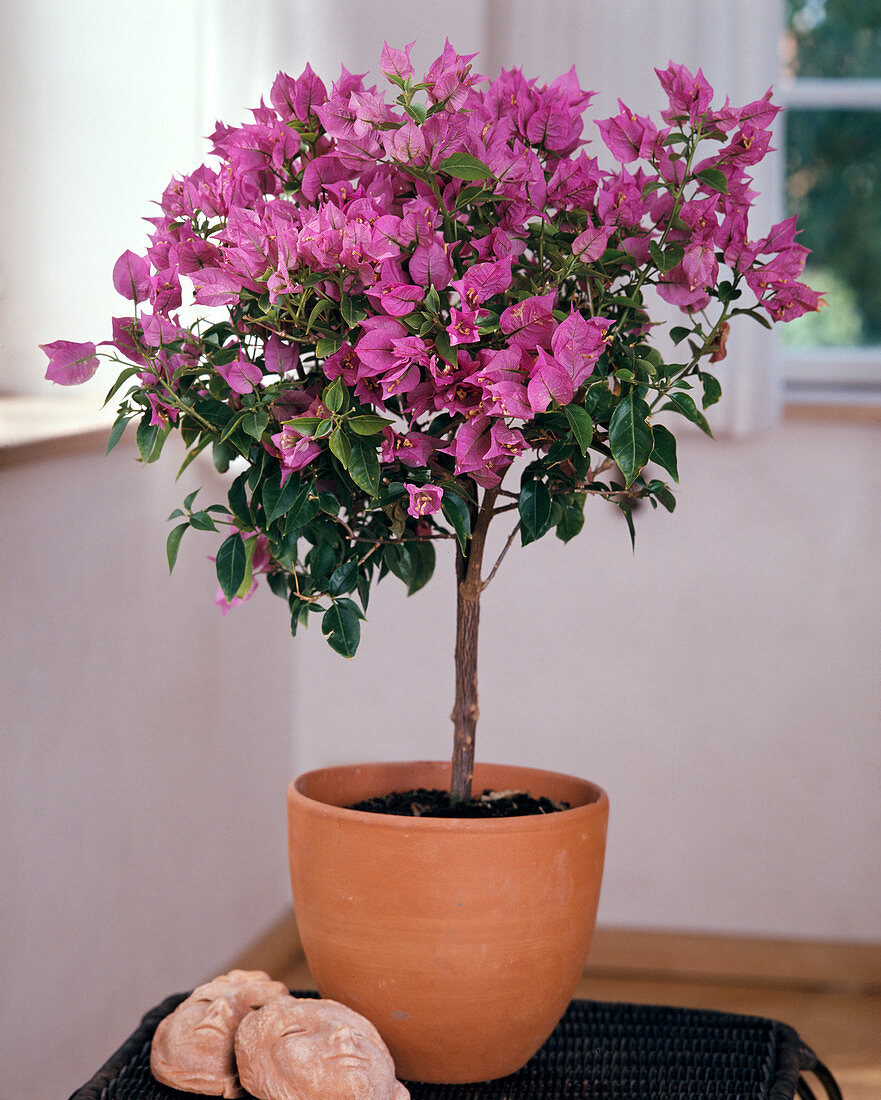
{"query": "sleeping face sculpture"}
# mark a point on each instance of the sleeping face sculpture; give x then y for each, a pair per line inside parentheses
(193, 1048)
(295, 1049)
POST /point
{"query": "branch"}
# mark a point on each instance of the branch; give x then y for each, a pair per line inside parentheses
(369, 553)
(470, 585)
(505, 549)
(402, 538)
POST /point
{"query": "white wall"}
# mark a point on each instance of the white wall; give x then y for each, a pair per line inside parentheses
(144, 754)
(722, 683)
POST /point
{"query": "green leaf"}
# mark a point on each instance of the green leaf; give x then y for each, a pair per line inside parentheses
(172, 544)
(333, 395)
(623, 300)
(726, 291)
(278, 584)
(150, 438)
(398, 558)
(189, 498)
(290, 497)
(712, 389)
(320, 306)
(202, 521)
(364, 466)
(713, 178)
(458, 515)
(343, 578)
(328, 504)
(352, 314)
(416, 111)
(600, 403)
(684, 403)
(123, 377)
(231, 565)
(328, 345)
(215, 412)
(363, 586)
(678, 333)
(462, 166)
(248, 579)
(257, 473)
(116, 432)
(445, 348)
(340, 447)
(422, 559)
(627, 512)
(270, 491)
(581, 425)
(233, 426)
(322, 561)
(238, 500)
(367, 424)
(534, 506)
(673, 254)
(663, 494)
(630, 437)
(285, 551)
(341, 626)
(664, 450)
(572, 518)
(756, 316)
(305, 425)
(469, 194)
(302, 511)
(254, 423)
(221, 456)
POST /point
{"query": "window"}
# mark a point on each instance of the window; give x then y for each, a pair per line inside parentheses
(832, 137)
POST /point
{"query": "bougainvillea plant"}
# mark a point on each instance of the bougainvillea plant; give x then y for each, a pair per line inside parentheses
(405, 318)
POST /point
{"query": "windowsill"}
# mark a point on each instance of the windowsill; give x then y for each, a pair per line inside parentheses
(832, 413)
(32, 427)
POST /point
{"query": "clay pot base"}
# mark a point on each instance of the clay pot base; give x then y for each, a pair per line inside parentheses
(424, 802)
(462, 941)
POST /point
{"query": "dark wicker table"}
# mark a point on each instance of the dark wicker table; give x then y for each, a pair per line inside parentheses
(599, 1050)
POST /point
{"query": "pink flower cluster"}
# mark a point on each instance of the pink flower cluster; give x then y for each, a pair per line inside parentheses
(393, 245)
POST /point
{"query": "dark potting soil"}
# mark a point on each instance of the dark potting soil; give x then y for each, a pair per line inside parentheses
(433, 803)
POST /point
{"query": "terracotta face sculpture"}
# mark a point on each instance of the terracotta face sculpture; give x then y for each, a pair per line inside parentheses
(193, 1047)
(314, 1050)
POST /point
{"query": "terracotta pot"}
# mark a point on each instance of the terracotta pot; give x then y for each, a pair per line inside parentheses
(461, 940)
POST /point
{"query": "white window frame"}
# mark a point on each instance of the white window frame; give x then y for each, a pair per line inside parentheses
(834, 375)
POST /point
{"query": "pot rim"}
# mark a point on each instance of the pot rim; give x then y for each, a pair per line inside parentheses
(597, 802)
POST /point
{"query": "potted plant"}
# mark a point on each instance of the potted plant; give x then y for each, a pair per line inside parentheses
(404, 320)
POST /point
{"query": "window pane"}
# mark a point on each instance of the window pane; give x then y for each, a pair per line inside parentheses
(833, 184)
(835, 38)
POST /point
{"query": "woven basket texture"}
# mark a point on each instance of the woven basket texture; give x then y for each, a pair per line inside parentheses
(600, 1050)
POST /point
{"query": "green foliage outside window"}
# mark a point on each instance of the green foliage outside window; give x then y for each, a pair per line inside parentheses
(833, 171)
